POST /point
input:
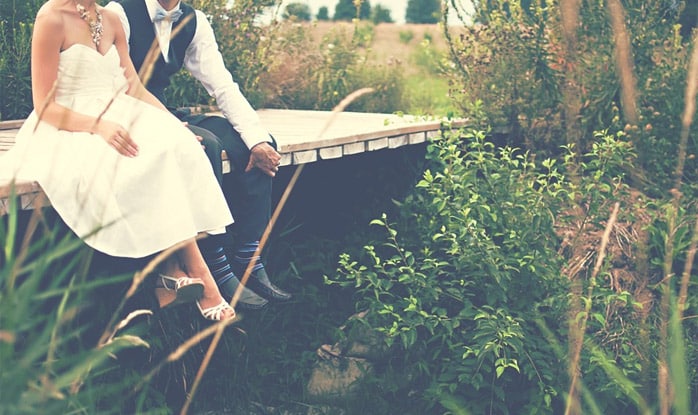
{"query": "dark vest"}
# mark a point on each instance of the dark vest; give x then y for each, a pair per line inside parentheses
(142, 36)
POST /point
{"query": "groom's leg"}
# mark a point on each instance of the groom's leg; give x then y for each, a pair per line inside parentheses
(251, 207)
(211, 247)
(213, 148)
(251, 201)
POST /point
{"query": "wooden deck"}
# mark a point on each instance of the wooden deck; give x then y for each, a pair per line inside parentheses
(302, 137)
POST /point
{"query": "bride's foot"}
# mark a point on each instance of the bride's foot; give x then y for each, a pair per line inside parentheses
(177, 288)
(218, 312)
(212, 305)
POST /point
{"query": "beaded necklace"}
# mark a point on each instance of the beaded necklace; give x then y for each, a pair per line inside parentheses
(96, 27)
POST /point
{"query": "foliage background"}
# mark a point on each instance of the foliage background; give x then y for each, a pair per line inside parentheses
(480, 269)
(16, 18)
(513, 66)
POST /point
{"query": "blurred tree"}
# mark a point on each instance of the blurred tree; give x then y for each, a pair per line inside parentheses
(381, 14)
(423, 11)
(297, 11)
(347, 10)
(671, 10)
(323, 14)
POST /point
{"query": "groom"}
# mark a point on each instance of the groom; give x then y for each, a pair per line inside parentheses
(251, 150)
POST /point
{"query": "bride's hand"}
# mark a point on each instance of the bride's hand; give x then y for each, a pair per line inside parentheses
(118, 137)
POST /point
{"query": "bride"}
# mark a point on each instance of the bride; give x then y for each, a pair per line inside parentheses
(125, 175)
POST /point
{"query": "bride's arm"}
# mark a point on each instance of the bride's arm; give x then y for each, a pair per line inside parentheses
(47, 39)
(135, 86)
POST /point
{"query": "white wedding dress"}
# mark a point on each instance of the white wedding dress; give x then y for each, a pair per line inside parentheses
(127, 207)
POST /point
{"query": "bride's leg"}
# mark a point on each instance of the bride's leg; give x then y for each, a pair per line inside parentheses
(165, 295)
(174, 286)
(195, 266)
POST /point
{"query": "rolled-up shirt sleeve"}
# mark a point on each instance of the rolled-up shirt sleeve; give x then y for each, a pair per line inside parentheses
(205, 62)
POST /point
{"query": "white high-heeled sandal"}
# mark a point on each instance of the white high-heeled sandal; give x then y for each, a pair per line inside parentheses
(186, 289)
(216, 313)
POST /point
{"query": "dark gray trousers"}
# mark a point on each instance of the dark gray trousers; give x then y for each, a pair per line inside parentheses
(248, 193)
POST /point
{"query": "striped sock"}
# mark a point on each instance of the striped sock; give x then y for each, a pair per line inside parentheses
(218, 264)
(245, 254)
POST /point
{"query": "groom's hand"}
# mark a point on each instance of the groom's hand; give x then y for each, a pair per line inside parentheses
(264, 157)
(198, 137)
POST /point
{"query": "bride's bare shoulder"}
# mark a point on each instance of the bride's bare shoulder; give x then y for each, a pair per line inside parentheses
(51, 13)
(111, 16)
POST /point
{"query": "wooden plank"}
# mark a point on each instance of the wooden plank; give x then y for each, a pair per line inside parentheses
(11, 124)
(28, 195)
(301, 130)
(329, 153)
(302, 136)
(318, 129)
(416, 138)
(398, 141)
(19, 188)
(303, 157)
(286, 159)
(378, 144)
(33, 200)
(354, 148)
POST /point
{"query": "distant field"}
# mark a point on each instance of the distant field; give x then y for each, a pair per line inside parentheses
(425, 89)
(389, 38)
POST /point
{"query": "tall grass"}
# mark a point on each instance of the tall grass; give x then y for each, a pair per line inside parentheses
(78, 333)
(47, 314)
(670, 243)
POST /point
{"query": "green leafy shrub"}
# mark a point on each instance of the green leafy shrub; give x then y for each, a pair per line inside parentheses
(514, 62)
(472, 282)
(16, 23)
(429, 59)
(448, 288)
(505, 65)
(406, 36)
(363, 34)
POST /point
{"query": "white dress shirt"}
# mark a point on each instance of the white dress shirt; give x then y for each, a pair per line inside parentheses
(163, 28)
(205, 62)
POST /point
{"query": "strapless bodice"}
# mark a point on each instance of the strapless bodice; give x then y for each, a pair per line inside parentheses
(85, 72)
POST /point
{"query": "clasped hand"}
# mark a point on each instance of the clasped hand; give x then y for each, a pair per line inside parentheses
(264, 157)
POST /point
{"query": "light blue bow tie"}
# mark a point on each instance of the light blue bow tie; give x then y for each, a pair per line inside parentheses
(172, 16)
